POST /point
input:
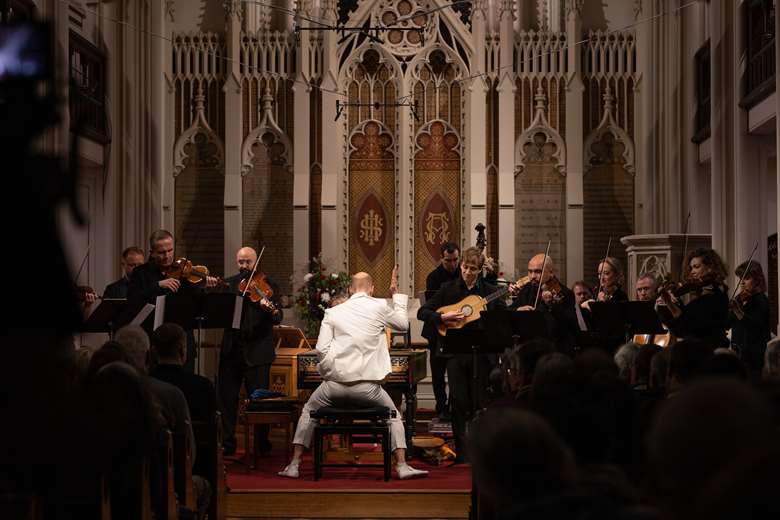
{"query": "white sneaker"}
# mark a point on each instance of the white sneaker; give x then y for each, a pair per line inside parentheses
(405, 471)
(290, 471)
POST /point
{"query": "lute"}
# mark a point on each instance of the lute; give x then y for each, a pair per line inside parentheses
(471, 307)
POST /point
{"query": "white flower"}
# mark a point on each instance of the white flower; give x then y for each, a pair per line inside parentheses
(307, 277)
(325, 297)
(334, 275)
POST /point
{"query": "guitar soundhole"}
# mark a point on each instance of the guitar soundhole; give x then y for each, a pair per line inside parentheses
(467, 310)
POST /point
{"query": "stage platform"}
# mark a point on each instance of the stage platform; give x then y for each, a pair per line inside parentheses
(343, 492)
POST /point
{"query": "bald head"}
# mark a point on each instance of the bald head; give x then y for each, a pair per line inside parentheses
(362, 282)
(246, 258)
(535, 265)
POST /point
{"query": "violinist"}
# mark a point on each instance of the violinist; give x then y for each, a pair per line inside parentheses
(149, 280)
(704, 316)
(611, 281)
(646, 288)
(749, 318)
(246, 354)
(556, 301)
(132, 257)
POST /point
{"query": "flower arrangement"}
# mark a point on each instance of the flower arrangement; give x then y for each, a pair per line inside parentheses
(315, 294)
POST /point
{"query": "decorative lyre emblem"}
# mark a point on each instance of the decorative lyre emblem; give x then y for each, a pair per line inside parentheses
(436, 224)
(371, 227)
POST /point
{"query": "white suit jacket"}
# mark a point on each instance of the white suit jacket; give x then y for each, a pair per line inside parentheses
(352, 345)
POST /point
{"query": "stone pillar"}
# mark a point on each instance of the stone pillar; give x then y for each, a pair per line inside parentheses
(333, 142)
(301, 148)
(720, 81)
(233, 135)
(506, 138)
(777, 134)
(658, 255)
(574, 145)
(476, 120)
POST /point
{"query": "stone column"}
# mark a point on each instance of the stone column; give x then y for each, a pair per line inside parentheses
(574, 145)
(301, 147)
(777, 128)
(720, 81)
(476, 120)
(233, 134)
(333, 142)
(506, 138)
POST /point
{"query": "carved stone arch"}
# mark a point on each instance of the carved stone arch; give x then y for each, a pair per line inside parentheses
(269, 134)
(362, 128)
(605, 136)
(356, 58)
(424, 57)
(540, 191)
(530, 142)
(199, 134)
(608, 188)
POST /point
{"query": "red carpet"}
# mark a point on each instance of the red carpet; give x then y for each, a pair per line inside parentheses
(444, 477)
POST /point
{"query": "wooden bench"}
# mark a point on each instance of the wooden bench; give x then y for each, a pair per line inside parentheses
(280, 410)
(208, 437)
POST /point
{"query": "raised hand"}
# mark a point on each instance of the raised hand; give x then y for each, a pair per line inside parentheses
(394, 281)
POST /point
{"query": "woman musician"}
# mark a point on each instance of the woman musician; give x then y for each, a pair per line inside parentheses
(705, 314)
(749, 317)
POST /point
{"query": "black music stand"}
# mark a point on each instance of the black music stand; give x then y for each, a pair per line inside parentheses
(199, 311)
(510, 328)
(105, 317)
(642, 318)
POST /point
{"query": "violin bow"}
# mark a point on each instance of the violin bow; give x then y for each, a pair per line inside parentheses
(747, 268)
(254, 269)
(83, 263)
(541, 277)
(598, 287)
(685, 244)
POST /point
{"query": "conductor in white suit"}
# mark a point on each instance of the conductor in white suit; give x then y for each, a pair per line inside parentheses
(354, 361)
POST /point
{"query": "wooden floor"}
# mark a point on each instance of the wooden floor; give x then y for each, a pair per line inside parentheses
(309, 504)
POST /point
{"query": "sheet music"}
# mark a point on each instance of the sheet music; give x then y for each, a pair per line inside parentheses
(238, 307)
(142, 315)
(159, 313)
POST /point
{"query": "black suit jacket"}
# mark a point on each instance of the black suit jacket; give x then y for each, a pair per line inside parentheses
(433, 282)
(143, 288)
(453, 292)
(560, 317)
(117, 289)
(255, 338)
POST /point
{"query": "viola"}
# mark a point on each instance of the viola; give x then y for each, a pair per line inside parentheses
(257, 288)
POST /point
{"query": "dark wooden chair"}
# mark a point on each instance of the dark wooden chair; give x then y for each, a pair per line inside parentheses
(167, 489)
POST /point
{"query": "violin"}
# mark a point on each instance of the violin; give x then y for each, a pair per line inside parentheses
(694, 287)
(83, 290)
(182, 269)
(257, 288)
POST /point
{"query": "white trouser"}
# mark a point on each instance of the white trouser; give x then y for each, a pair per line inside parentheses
(330, 393)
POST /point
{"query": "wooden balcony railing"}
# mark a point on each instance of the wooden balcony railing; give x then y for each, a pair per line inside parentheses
(759, 32)
(87, 89)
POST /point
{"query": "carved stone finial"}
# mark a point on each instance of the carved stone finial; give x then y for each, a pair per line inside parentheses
(609, 100)
(200, 101)
(540, 98)
(233, 8)
(267, 101)
(574, 5)
(170, 9)
(542, 15)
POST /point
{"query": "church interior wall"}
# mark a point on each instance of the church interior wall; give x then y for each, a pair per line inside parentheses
(673, 175)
